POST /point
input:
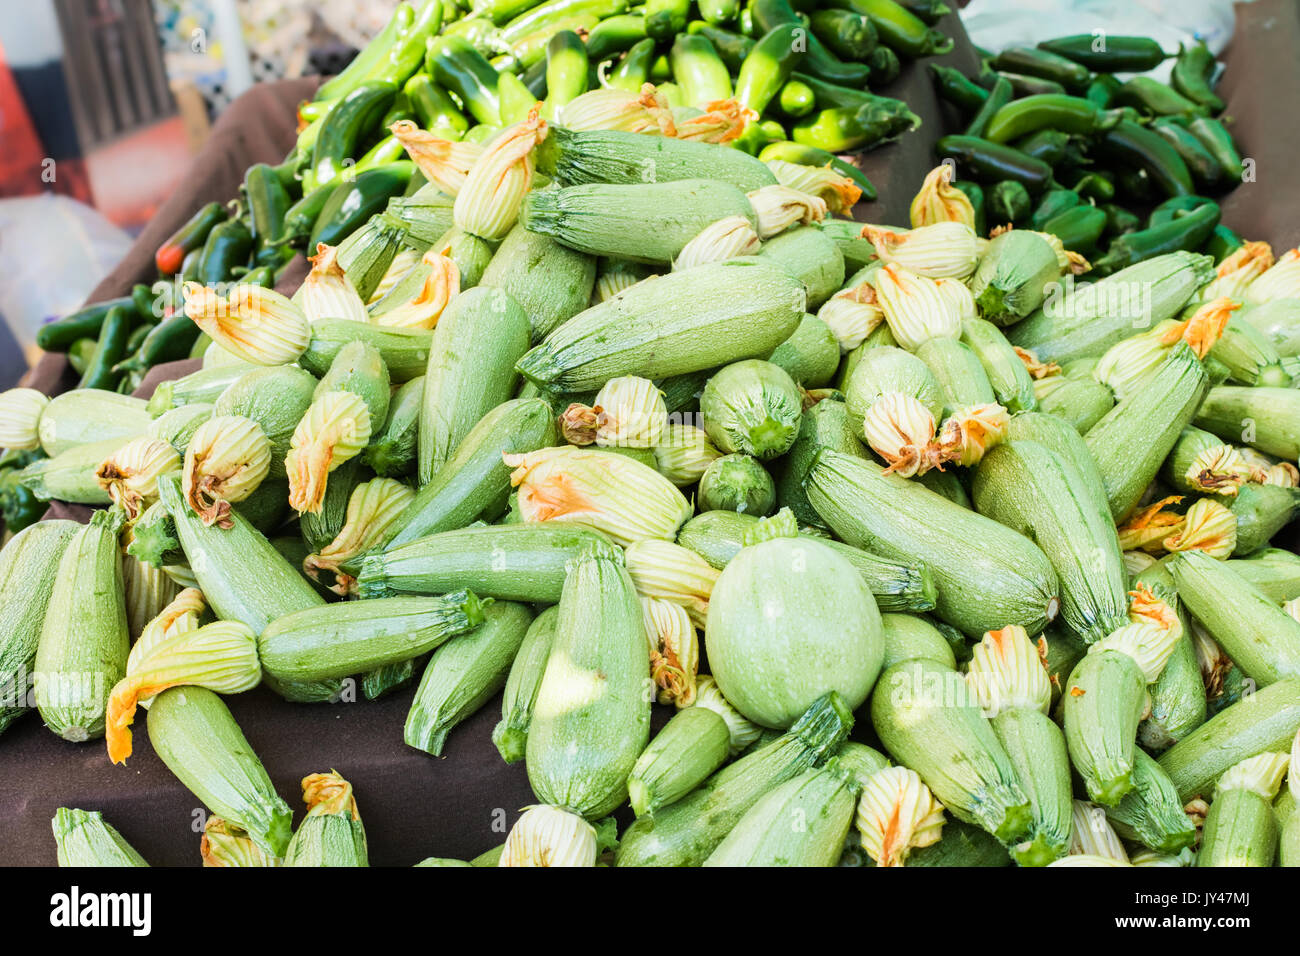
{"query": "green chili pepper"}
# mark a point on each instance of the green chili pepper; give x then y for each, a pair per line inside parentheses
(847, 34)
(1108, 54)
(817, 60)
(168, 341)
(1049, 145)
(354, 116)
(885, 66)
(462, 70)
(731, 46)
(1069, 114)
(1053, 203)
(1009, 202)
(1192, 73)
(998, 97)
(1201, 163)
(1102, 90)
(841, 130)
(1189, 231)
(1150, 96)
(633, 70)
(953, 86)
(433, 108)
(1078, 228)
(267, 200)
(1027, 61)
(110, 350)
(1096, 186)
(975, 193)
(1119, 220)
(1214, 136)
(899, 29)
(1140, 148)
(1022, 85)
(614, 35)
(990, 162)
(796, 99)
(1222, 243)
(352, 203)
(768, 66)
(1174, 208)
(374, 53)
(187, 238)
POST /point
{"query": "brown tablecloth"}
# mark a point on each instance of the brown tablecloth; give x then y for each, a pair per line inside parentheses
(415, 805)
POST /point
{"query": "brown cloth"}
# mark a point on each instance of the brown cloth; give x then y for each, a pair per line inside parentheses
(460, 805)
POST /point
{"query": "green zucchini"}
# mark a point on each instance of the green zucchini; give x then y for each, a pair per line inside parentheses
(692, 745)
(475, 483)
(84, 839)
(910, 637)
(471, 371)
(1261, 512)
(810, 256)
(1240, 830)
(961, 845)
(201, 387)
(959, 372)
(519, 562)
(321, 527)
(826, 424)
(1013, 386)
(193, 732)
(1079, 401)
(687, 832)
(359, 368)
(276, 399)
(511, 733)
(673, 324)
(177, 426)
(582, 744)
(89, 415)
(1151, 812)
(84, 635)
(1058, 436)
(29, 566)
(1178, 703)
(1103, 703)
(464, 674)
(392, 450)
(336, 640)
(1013, 276)
(405, 351)
(986, 576)
(550, 281)
(929, 721)
(1025, 486)
(752, 406)
(822, 800)
(1261, 417)
(738, 483)
(1274, 572)
(890, 369)
(331, 834)
(70, 476)
(810, 355)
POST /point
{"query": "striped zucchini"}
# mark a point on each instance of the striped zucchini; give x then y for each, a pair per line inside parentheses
(476, 482)
(470, 253)
(276, 399)
(85, 415)
(691, 746)
(1133, 439)
(673, 324)
(890, 369)
(1263, 418)
(810, 355)
(331, 834)
(427, 214)
(1263, 721)
(1261, 639)
(29, 566)
(648, 222)
(962, 845)
(392, 450)
(471, 371)
(822, 800)
(611, 156)
(689, 830)
(897, 585)
(464, 674)
(405, 351)
(1103, 703)
(1274, 572)
(335, 640)
(1248, 355)
(810, 256)
(1036, 749)
(1261, 512)
(1151, 812)
(584, 740)
(910, 637)
(70, 476)
(986, 575)
(1012, 384)
(519, 562)
(1079, 401)
(1028, 488)
(827, 425)
(511, 733)
(550, 281)
(959, 372)
(1059, 437)
(243, 578)
(196, 736)
(83, 838)
(366, 254)
(928, 720)
(84, 636)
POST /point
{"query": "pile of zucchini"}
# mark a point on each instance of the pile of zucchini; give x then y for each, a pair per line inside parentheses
(1119, 170)
(546, 432)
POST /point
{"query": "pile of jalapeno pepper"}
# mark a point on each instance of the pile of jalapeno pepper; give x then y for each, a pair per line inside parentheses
(1119, 170)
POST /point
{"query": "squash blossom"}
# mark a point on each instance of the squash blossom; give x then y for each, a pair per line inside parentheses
(662, 569)
(839, 192)
(674, 650)
(130, 474)
(1145, 607)
(646, 111)
(1007, 673)
(896, 814)
(914, 308)
(445, 163)
(1093, 840)
(332, 833)
(721, 122)
(225, 844)
(1279, 281)
(257, 325)
(943, 250)
(549, 836)
(852, 315)
(1147, 644)
(627, 412)
(424, 309)
(724, 239)
(938, 200)
(969, 432)
(1219, 469)
(958, 295)
(684, 454)
(1147, 529)
(403, 262)
(20, 414)
(334, 430)
(900, 430)
(372, 508)
(1037, 369)
(327, 292)
(1237, 271)
(1208, 526)
(225, 461)
(780, 207)
(488, 203)
(742, 730)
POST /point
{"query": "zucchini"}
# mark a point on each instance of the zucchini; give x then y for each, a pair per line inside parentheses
(1103, 703)
(961, 845)
(821, 799)
(29, 565)
(359, 369)
(85, 415)
(929, 721)
(196, 736)
(583, 741)
(1059, 437)
(70, 476)
(336, 640)
(201, 387)
(464, 674)
(404, 351)
(1240, 830)
(1178, 704)
(1261, 512)
(1025, 486)
(673, 324)
(550, 281)
(276, 399)
(1151, 812)
(910, 637)
(692, 745)
(752, 407)
(1274, 572)
(827, 425)
(1079, 401)
(85, 638)
(511, 733)
(810, 256)
(1262, 639)
(475, 483)
(518, 562)
(84, 839)
(810, 355)
(738, 483)
(321, 527)
(331, 834)
(471, 371)
(1013, 386)
(392, 450)
(986, 576)
(1013, 275)
(1263, 418)
(959, 372)
(687, 832)
(177, 426)
(890, 369)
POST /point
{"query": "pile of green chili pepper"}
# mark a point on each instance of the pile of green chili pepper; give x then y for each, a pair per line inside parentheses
(1121, 171)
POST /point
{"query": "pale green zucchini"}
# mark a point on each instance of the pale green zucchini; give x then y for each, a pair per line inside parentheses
(1240, 830)
(70, 476)
(1133, 439)
(475, 483)
(959, 372)
(471, 371)
(672, 324)
(856, 249)
(1103, 703)
(613, 156)
(330, 835)
(196, 736)
(986, 575)
(1273, 571)
(202, 387)
(83, 838)
(83, 416)
(426, 213)
(752, 407)
(405, 351)
(1261, 639)
(929, 721)
(521, 562)
(335, 640)
(1191, 443)
(947, 484)
(511, 733)
(321, 527)
(1261, 512)
(1079, 401)
(84, 635)
(177, 426)
(1012, 384)
(822, 800)
(1036, 748)
(810, 355)
(1028, 488)
(464, 674)
(910, 637)
(826, 424)
(739, 483)
(469, 252)
(1288, 821)
(392, 451)
(1151, 812)
(359, 369)
(1178, 703)
(276, 398)
(29, 566)
(367, 253)
(692, 745)
(387, 678)
(1267, 419)
(810, 256)
(1248, 355)
(584, 740)
(550, 281)
(890, 369)
(1013, 274)
(1060, 437)
(897, 585)
(689, 830)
